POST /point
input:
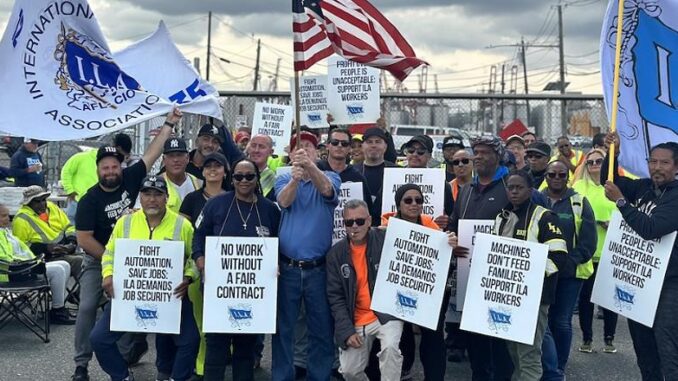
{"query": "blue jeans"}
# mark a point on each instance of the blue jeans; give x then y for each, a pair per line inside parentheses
(295, 285)
(175, 353)
(558, 338)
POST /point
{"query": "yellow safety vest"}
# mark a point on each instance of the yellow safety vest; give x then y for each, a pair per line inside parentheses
(28, 227)
(584, 270)
(173, 199)
(173, 227)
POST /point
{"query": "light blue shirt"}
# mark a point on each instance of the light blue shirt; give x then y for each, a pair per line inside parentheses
(307, 224)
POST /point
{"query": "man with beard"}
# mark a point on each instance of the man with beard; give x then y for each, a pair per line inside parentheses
(212, 139)
(97, 213)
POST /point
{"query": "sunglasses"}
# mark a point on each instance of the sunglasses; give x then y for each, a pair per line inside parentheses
(553, 175)
(594, 162)
(419, 152)
(344, 143)
(534, 156)
(357, 221)
(410, 200)
(241, 177)
(461, 161)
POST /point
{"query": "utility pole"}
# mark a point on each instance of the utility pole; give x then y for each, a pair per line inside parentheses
(503, 87)
(563, 106)
(523, 56)
(256, 67)
(209, 44)
(274, 82)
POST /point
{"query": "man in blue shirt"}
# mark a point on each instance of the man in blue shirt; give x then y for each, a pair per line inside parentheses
(308, 197)
(26, 165)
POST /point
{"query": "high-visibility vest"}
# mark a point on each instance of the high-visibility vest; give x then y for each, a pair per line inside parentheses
(584, 270)
(173, 227)
(173, 199)
(28, 227)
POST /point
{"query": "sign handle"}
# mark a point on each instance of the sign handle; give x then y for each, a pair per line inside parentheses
(297, 108)
(615, 87)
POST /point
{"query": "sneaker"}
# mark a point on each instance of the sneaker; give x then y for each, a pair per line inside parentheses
(80, 374)
(456, 355)
(196, 377)
(130, 377)
(60, 316)
(587, 347)
(163, 377)
(138, 351)
(406, 375)
(609, 347)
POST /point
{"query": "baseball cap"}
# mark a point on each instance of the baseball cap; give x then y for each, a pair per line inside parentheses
(210, 130)
(215, 156)
(109, 151)
(154, 182)
(175, 145)
(424, 140)
(515, 138)
(540, 148)
(241, 135)
(453, 140)
(305, 135)
(374, 132)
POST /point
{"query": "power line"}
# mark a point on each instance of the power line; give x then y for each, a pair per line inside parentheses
(173, 26)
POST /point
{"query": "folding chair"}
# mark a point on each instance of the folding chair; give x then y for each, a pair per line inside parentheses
(26, 297)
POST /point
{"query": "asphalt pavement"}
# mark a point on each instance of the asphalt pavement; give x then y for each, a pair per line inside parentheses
(25, 357)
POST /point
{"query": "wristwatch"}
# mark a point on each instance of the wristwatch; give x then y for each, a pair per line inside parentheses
(621, 202)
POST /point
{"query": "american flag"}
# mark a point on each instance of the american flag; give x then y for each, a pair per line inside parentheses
(355, 30)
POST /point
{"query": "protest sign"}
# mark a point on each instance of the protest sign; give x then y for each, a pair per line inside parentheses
(275, 121)
(352, 92)
(505, 285)
(145, 274)
(348, 191)
(467, 238)
(241, 285)
(313, 100)
(631, 272)
(431, 181)
(413, 273)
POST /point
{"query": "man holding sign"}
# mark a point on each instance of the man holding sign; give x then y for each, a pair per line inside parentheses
(649, 207)
(176, 353)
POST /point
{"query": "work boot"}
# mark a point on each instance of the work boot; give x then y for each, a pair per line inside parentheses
(80, 374)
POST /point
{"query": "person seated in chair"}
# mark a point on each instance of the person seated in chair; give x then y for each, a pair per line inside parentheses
(43, 226)
(13, 250)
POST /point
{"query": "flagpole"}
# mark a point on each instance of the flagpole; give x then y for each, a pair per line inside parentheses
(615, 86)
(297, 110)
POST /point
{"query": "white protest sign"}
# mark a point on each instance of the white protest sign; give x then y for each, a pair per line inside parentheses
(275, 121)
(352, 92)
(431, 181)
(241, 285)
(145, 274)
(313, 100)
(348, 191)
(413, 273)
(505, 285)
(467, 238)
(631, 272)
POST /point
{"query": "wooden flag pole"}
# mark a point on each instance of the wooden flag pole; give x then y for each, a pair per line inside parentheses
(297, 110)
(615, 86)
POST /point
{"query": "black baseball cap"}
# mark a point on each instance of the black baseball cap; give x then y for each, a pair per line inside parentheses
(374, 132)
(215, 156)
(109, 151)
(453, 140)
(210, 130)
(540, 148)
(175, 145)
(154, 182)
(424, 140)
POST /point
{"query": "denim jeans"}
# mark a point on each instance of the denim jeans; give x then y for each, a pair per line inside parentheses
(558, 338)
(175, 353)
(294, 285)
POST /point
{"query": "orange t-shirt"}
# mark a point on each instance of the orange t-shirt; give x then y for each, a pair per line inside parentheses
(363, 314)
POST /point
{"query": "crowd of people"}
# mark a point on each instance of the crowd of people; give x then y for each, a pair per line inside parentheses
(227, 186)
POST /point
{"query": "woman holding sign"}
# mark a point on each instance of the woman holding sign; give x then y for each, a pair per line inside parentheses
(522, 219)
(409, 200)
(243, 212)
(587, 183)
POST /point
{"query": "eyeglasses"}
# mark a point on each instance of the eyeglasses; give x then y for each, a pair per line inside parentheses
(594, 162)
(336, 142)
(553, 175)
(461, 161)
(241, 177)
(410, 200)
(419, 152)
(357, 221)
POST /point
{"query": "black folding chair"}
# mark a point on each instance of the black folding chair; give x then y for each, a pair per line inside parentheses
(26, 296)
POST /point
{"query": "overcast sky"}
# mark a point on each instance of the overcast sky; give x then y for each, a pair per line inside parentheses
(452, 35)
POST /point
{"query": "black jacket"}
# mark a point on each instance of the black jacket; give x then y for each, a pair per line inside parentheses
(350, 175)
(650, 211)
(341, 283)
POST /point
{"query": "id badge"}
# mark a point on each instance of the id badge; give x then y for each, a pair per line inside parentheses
(262, 231)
